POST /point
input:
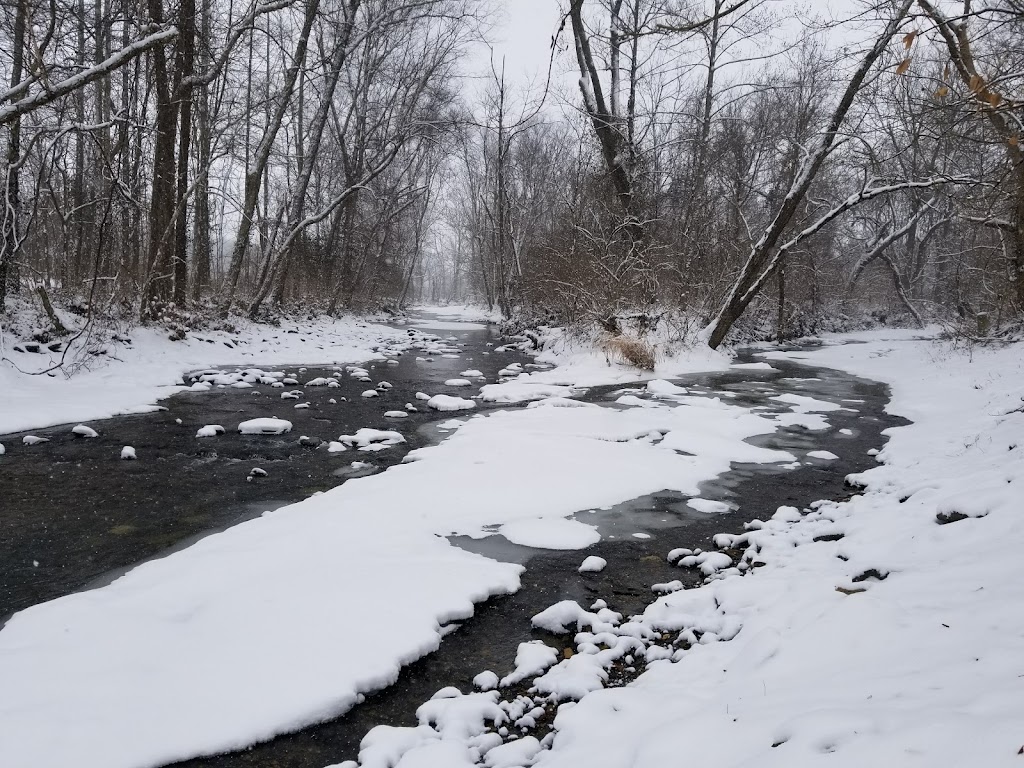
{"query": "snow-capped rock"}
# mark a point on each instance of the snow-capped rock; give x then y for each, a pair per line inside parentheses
(449, 403)
(266, 426)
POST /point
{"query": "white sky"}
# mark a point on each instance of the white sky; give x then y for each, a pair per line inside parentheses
(523, 36)
(523, 29)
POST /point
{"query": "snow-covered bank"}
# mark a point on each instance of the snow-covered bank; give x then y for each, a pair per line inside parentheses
(581, 362)
(130, 374)
(900, 643)
(466, 313)
(287, 619)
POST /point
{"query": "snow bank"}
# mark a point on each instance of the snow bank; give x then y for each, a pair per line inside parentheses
(130, 377)
(894, 644)
(584, 365)
(461, 312)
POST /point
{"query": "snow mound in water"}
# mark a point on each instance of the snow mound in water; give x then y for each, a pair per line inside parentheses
(367, 439)
(592, 564)
(532, 658)
(210, 430)
(83, 431)
(266, 426)
(449, 403)
(550, 533)
(822, 455)
(458, 383)
(662, 387)
(521, 391)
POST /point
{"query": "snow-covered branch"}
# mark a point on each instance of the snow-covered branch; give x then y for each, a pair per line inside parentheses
(83, 78)
(868, 192)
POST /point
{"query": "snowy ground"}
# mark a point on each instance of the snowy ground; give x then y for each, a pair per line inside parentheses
(131, 373)
(897, 643)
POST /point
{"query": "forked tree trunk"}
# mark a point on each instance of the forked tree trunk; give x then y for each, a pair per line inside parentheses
(763, 257)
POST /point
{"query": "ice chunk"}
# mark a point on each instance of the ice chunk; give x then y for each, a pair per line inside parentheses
(210, 430)
(708, 506)
(823, 455)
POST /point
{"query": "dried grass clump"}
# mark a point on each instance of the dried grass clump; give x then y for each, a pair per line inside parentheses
(630, 350)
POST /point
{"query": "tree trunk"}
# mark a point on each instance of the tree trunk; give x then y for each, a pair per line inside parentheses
(254, 175)
(158, 283)
(763, 259)
(201, 230)
(307, 160)
(12, 205)
(185, 70)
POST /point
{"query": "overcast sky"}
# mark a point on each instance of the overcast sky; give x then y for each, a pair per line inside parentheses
(523, 30)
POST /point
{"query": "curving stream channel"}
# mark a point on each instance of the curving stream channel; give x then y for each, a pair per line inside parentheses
(75, 516)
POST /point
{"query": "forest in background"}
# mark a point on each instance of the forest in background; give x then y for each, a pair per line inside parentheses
(716, 162)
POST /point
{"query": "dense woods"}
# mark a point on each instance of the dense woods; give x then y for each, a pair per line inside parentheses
(719, 161)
